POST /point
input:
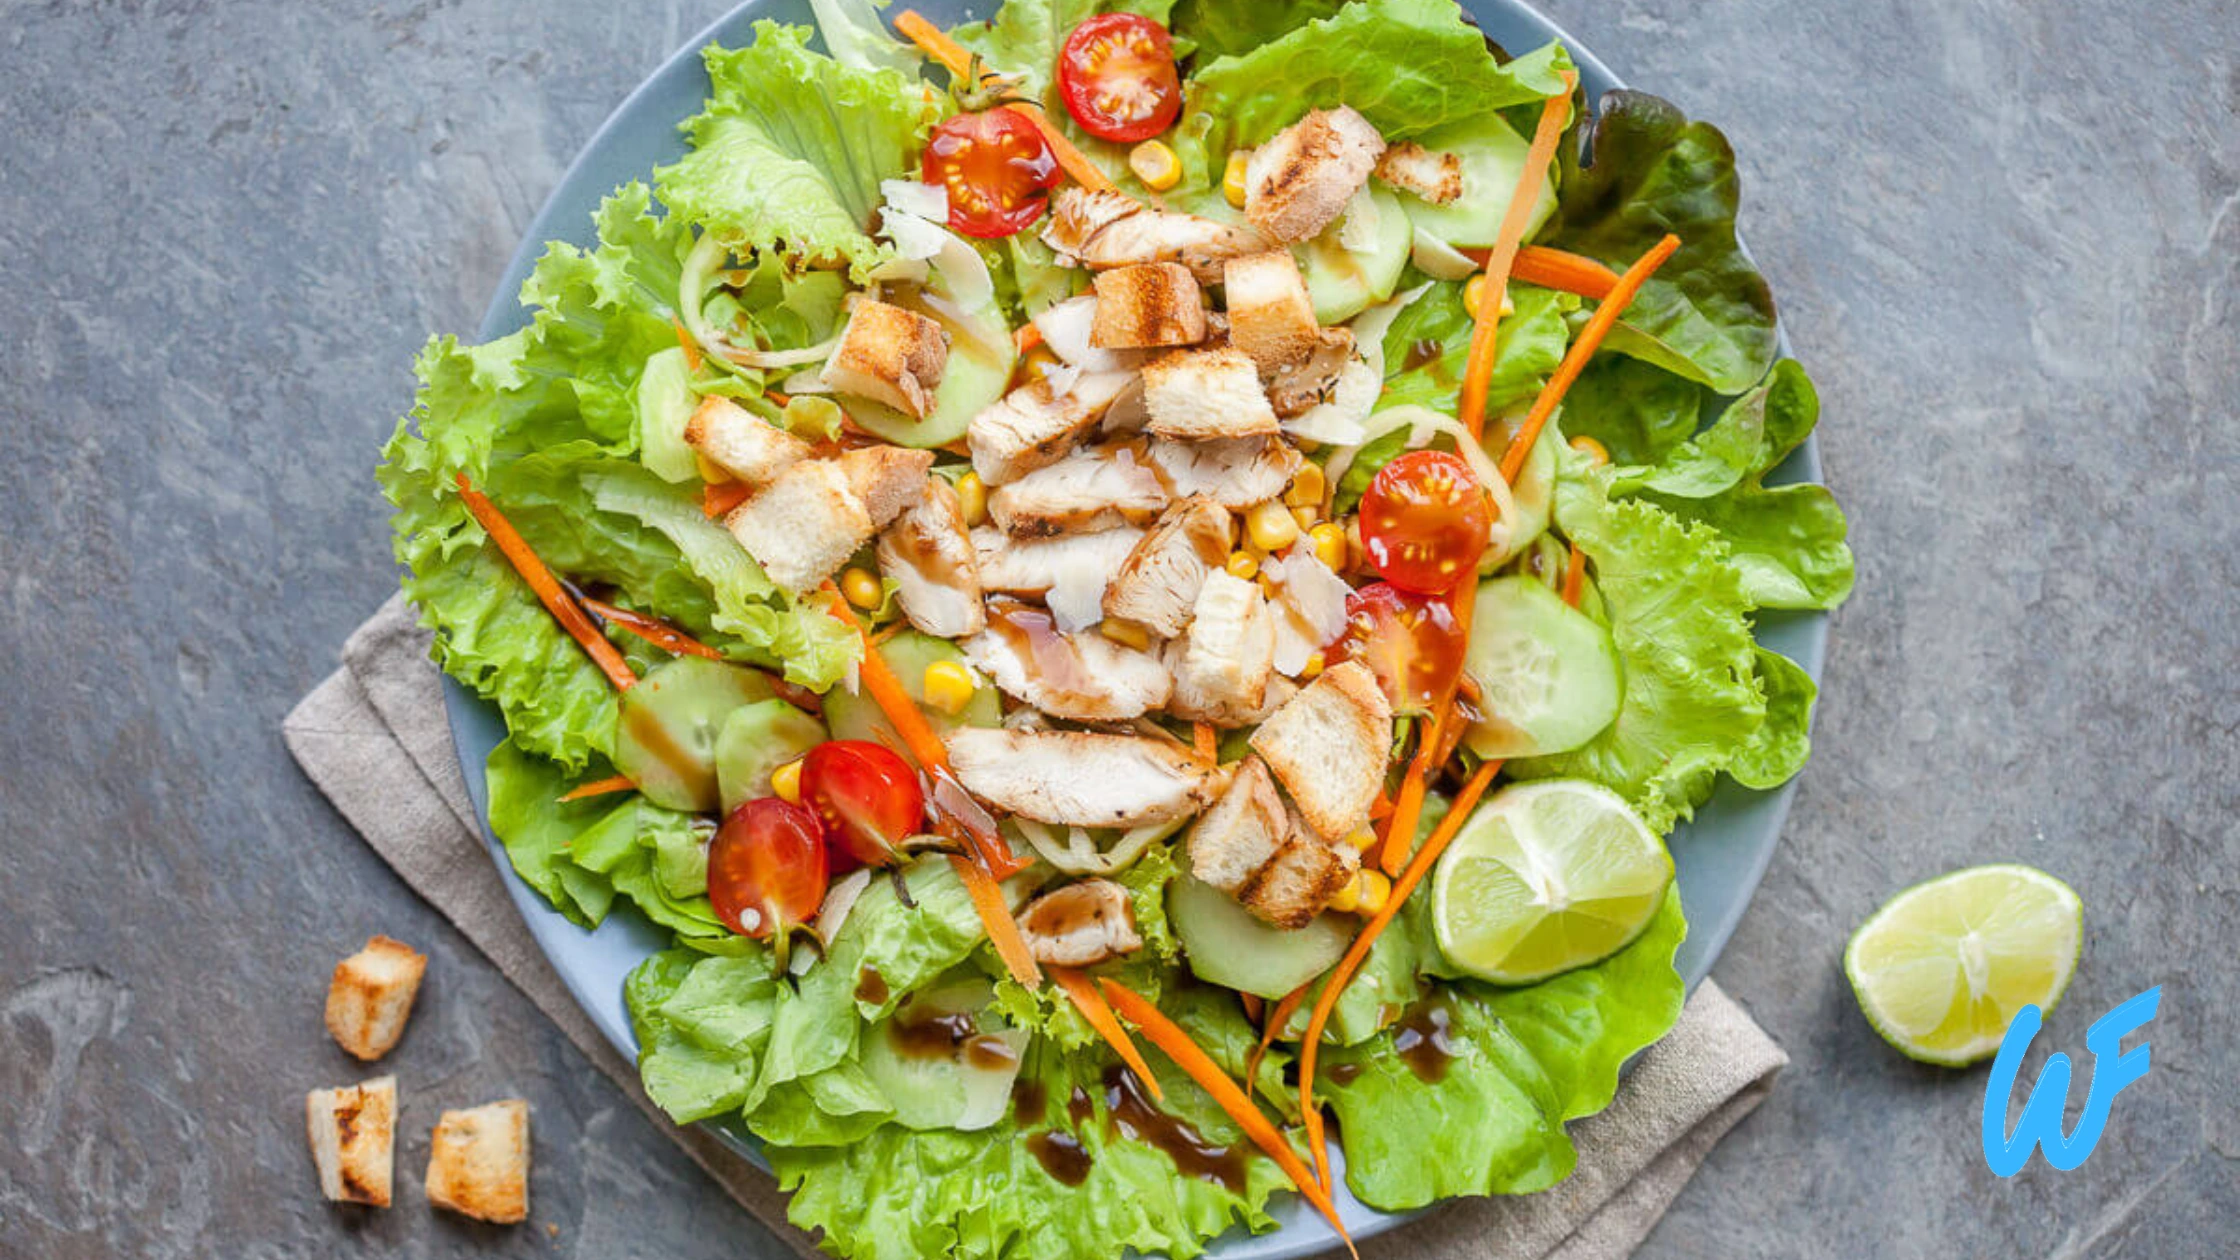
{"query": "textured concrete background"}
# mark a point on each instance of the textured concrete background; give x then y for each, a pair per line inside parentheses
(2005, 241)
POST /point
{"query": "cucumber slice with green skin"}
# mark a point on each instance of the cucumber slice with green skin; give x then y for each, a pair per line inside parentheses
(1534, 493)
(1343, 283)
(858, 716)
(665, 403)
(976, 375)
(757, 739)
(1493, 157)
(665, 738)
(944, 1060)
(1224, 944)
(1549, 673)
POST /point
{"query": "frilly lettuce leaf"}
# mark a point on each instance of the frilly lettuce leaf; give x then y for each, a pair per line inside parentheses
(1754, 433)
(1224, 28)
(1783, 742)
(858, 38)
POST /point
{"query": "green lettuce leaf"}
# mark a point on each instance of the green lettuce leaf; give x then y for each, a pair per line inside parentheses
(1525, 1062)
(1783, 742)
(858, 38)
(1022, 40)
(1637, 410)
(1754, 433)
(1707, 313)
(789, 153)
(1224, 28)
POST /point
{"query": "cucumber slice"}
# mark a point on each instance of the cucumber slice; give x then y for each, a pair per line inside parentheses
(1535, 490)
(1493, 156)
(858, 717)
(1548, 672)
(665, 738)
(1226, 945)
(757, 739)
(943, 1059)
(976, 374)
(665, 403)
(1343, 283)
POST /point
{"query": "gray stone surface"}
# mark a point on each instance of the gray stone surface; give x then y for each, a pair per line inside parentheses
(2005, 241)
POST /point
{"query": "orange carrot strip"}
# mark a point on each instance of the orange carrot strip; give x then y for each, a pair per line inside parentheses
(1564, 270)
(1477, 375)
(600, 787)
(1003, 930)
(1309, 1049)
(717, 501)
(1028, 337)
(1076, 163)
(1205, 741)
(653, 630)
(555, 599)
(1575, 576)
(935, 43)
(1575, 359)
(1093, 1008)
(1169, 1037)
(690, 345)
(889, 694)
(1254, 1008)
(1271, 1026)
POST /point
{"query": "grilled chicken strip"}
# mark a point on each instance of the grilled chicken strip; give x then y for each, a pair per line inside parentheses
(1234, 472)
(1081, 778)
(1094, 488)
(1080, 677)
(1111, 229)
(1081, 924)
(936, 570)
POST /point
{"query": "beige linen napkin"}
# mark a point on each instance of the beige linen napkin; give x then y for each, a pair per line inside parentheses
(373, 736)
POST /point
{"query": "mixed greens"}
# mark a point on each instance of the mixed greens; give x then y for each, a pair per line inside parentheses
(694, 707)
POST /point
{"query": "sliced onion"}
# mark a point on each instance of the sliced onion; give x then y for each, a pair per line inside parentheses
(1310, 603)
(1439, 260)
(763, 359)
(925, 201)
(1078, 853)
(1358, 223)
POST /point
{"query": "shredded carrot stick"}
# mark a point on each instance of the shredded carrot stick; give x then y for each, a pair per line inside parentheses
(935, 43)
(1254, 1008)
(1400, 829)
(1028, 337)
(1093, 1008)
(1575, 359)
(995, 916)
(652, 629)
(689, 343)
(889, 694)
(1310, 1047)
(1169, 1037)
(1437, 743)
(1477, 375)
(1575, 576)
(1205, 741)
(1563, 270)
(555, 599)
(600, 787)
(1272, 1027)
(717, 500)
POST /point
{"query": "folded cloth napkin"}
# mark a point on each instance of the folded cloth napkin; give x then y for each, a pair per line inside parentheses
(374, 737)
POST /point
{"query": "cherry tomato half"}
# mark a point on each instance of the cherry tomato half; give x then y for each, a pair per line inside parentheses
(1425, 521)
(997, 169)
(1411, 642)
(767, 867)
(867, 796)
(1117, 75)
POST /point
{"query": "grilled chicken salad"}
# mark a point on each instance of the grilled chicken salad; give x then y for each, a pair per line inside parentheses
(1138, 590)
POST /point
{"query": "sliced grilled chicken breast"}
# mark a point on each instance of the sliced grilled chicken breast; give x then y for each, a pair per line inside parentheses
(1081, 778)
(936, 570)
(1082, 677)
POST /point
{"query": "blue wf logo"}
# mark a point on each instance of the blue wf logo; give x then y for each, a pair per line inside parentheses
(2040, 1126)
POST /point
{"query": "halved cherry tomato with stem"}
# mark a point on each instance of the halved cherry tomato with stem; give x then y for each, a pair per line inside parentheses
(867, 796)
(1117, 75)
(1411, 642)
(997, 169)
(767, 869)
(1425, 520)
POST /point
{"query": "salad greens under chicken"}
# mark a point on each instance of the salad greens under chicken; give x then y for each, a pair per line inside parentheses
(1138, 587)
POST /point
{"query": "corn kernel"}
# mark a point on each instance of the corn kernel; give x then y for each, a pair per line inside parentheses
(1329, 542)
(1308, 517)
(949, 687)
(785, 782)
(1308, 487)
(1474, 292)
(972, 496)
(710, 471)
(1348, 897)
(1232, 178)
(1243, 565)
(1156, 165)
(1270, 527)
(862, 587)
(1313, 667)
(1597, 454)
(1374, 890)
(1125, 633)
(1361, 839)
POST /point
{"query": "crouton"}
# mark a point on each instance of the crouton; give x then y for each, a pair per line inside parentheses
(1330, 745)
(1409, 167)
(1158, 583)
(1104, 230)
(1304, 384)
(1271, 317)
(353, 1140)
(890, 356)
(936, 569)
(1242, 831)
(1299, 881)
(890, 480)
(1200, 394)
(1082, 677)
(802, 527)
(1223, 664)
(1080, 778)
(1236, 472)
(1298, 183)
(371, 995)
(1031, 427)
(1081, 924)
(478, 1164)
(1091, 489)
(740, 442)
(1147, 305)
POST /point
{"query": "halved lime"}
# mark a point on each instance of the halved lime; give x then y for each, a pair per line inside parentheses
(1545, 877)
(1942, 969)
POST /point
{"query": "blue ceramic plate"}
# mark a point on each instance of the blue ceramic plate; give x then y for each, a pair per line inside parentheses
(1720, 855)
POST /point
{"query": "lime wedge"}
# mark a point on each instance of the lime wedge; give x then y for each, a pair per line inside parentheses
(1942, 969)
(1545, 877)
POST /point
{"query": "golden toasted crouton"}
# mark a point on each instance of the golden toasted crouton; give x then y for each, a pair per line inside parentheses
(1271, 317)
(1409, 167)
(478, 1164)
(1300, 386)
(889, 479)
(371, 995)
(1147, 305)
(1201, 394)
(1329, 745)
(1299, 182)
(1299, 881)
(740, 442)
(1242, 831)
(803, 526)
(1158, 583)
(353, 1140)
(1081, 924)
(891, 356)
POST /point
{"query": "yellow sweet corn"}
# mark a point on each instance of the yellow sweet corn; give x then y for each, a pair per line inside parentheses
(1308, 487)
(1232, 178)
(785, 782)
(1125, 633)
(1243, 565)
(949, 687)
(1329, 542)
(1596, 453)
(972, 496)
(1365, 894)
(1270, 526)
(1475, 291)
(1313, 668)
(862, 587)
(1156, 165)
